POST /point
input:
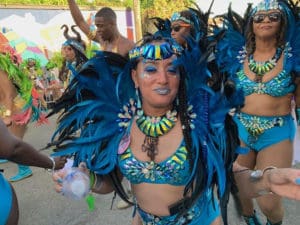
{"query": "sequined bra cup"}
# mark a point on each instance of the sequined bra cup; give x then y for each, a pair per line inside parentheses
(174, 170)
(279, 86)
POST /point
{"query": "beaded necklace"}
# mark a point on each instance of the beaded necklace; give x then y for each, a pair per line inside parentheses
(154, 127)
(261, 68)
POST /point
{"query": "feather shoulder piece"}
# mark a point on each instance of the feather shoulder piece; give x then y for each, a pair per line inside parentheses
(163, 26)
(291, 12)
(230, 50)
(214, 145)
(94, 119)
(208, 110)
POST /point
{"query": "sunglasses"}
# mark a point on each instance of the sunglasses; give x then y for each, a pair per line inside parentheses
(273, 17)
(177, 28)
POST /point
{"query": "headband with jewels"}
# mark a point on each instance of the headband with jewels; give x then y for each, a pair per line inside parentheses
(266, 5)
(74, 44)
(156, 51)
(176, 16)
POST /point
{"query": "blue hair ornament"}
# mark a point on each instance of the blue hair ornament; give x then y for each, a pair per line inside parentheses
(266, 5)
(74, 44)
(156, 51)
(176, 16)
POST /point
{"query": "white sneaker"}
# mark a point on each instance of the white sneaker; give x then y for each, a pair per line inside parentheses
(124, 205)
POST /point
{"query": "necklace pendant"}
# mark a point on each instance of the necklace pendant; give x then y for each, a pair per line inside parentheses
(258, 79)
(154, 127)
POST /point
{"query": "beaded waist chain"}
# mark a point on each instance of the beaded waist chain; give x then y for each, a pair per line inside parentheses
(257, 125)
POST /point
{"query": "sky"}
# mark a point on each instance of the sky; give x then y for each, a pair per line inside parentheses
(220, 6)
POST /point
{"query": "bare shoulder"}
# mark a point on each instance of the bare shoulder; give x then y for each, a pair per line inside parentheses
(126, 42)
(5, 81)
(125, 45)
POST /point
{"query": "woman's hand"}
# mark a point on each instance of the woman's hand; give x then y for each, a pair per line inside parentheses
(59, 175)
(284, 182)
(60, 162)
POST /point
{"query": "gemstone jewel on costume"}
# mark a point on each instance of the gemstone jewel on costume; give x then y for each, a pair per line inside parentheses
(266, 5)
(124, 143)
(257, 125)
(125, 115)
(156, 51)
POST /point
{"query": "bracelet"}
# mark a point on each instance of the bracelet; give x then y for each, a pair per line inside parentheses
(98, 182)
(53, 164)
(91, 35)
(93, 178)
(7, 113)
(258, 174)
(298, 114)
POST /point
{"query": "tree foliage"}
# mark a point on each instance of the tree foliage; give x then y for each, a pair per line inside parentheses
(163, 8)
(160, 8)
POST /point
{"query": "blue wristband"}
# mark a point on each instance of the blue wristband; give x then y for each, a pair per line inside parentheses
(298, 115)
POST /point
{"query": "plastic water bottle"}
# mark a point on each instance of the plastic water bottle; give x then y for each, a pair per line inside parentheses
(76, 184)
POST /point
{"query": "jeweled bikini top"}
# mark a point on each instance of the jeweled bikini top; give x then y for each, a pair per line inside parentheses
(174, 170)
(279, 86)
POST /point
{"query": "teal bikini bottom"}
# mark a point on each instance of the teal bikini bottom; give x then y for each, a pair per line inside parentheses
(204, 212)
(259, 132)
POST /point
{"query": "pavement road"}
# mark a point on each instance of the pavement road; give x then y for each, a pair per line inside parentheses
(41, 205)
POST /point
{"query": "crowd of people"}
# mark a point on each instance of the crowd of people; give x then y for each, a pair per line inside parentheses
(179, 121)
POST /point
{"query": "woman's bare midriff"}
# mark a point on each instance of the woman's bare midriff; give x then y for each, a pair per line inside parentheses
(155, 198)
(266, 105)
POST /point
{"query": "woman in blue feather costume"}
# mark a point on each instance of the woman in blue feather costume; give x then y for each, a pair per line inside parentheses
(155, 121)
(261, 53)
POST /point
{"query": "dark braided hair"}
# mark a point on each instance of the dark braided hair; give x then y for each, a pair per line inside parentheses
(191, 189)
(80, 58)
(182, 110)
